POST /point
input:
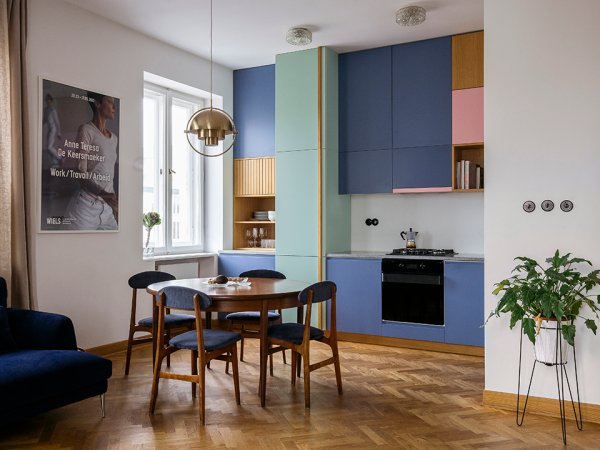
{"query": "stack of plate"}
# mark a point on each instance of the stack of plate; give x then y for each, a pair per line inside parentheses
(260, 215)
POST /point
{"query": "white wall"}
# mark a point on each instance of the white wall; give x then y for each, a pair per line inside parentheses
(542, 135)
(85, 275)
(448, 220)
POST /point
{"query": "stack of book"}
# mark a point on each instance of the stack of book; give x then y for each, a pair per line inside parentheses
(468, 175)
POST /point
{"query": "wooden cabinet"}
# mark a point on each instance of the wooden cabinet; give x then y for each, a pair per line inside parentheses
(464, 302)
(358, 281)
(467, 116)
(467, 60)
(422, 93)
(254, 111)
(254, 190)
(365, 109)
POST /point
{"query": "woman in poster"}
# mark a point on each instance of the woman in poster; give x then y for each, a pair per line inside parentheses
(94, 206)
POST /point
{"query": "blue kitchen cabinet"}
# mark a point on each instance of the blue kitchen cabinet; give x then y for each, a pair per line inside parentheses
(365, 172)
(414, 331)
(365, 107)
(232, 264)
(358, 308)
(422, 167)
(422, 93)
(254, 111)
(463, 292)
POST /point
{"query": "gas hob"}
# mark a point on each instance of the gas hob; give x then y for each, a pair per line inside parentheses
(423, 252)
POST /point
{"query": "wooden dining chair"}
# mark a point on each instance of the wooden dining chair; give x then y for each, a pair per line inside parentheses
(173, 322)
(297, 336)
(248, 322)
(205, 345)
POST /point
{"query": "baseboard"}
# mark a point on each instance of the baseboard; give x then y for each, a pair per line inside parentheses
(411, 343)
(539, 405)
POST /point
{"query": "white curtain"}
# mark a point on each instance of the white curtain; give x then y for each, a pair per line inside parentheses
(14, 193)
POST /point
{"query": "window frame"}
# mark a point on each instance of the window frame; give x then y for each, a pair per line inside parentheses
(164, 169)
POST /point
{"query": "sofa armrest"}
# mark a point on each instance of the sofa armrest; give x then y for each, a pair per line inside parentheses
(37, 330)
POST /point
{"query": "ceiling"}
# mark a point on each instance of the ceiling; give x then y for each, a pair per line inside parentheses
(249, 33)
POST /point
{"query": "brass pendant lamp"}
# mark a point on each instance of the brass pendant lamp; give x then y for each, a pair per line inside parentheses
(211, 124)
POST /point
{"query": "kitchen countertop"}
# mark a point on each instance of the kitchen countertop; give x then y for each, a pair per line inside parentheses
(378, 255)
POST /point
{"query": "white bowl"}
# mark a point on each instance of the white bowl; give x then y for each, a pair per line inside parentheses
(271, 215)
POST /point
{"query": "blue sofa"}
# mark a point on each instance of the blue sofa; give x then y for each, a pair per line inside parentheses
(40, 365)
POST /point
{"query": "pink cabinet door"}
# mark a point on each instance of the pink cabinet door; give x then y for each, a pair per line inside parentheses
(467, 116)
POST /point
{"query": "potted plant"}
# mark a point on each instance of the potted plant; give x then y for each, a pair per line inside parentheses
(150, 220)
(543, 299)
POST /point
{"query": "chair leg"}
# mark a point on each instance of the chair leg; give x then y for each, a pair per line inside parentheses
(306, 363)
(270, 363)
(168, 338)
(294, 362)
(102, 405)
(336, 366)
(194, 371)
(236, 376)
(242, 346)
(129, 346)
(227, 366)
(283, 353)
(299, 365)
(202, 386)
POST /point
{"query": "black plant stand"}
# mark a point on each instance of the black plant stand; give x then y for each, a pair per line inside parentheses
(561, 376)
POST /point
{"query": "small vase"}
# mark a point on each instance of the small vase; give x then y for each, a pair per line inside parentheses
(545, 347)
(149, 251)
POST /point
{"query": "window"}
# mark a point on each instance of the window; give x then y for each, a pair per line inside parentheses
(173, 172)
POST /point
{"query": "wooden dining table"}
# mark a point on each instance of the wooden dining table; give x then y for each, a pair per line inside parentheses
(262, 294)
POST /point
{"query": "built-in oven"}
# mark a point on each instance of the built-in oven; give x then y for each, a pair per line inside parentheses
(412, 291)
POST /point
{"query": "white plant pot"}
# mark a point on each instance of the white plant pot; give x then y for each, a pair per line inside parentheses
(545, 347)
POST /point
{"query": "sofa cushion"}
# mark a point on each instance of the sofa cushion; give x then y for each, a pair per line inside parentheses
(7, 342)
(37, 376)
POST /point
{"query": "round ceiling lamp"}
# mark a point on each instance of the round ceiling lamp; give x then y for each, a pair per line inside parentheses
(410, 16)
(298, 36)
(211, 125)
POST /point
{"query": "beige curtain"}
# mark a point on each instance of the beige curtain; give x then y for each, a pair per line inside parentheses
(14, 156)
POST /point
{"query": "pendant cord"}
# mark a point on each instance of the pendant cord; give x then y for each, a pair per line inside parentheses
(211, 54)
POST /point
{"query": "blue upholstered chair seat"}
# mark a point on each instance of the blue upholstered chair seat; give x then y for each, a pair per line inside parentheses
(293, 332)
(251, 315)
(30, 378)
(213, 339)
(171, 320)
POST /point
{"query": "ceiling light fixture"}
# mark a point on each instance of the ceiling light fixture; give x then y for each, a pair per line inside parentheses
(211, 124)
(298, 36)
(410, 16)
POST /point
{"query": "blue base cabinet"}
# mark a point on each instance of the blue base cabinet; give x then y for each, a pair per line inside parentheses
(463, 291)
(232, 264)
(358, 301)
(418, 332)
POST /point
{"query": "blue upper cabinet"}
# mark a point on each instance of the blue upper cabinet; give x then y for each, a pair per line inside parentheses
(365, 87)
(366, 172)
(422, 93)
(464, 298)
(254, 111)
(423, 167)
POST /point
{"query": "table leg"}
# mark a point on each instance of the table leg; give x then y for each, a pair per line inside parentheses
(264, 324)
(299, 319)
(208, 320)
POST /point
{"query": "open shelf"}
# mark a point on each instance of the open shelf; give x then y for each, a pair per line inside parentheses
(472, 152)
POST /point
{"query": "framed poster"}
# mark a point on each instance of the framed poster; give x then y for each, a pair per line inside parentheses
(79, 159)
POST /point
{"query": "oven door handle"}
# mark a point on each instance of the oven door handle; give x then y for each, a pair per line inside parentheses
(406, 278)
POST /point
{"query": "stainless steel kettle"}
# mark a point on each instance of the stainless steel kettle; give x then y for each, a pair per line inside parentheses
(410, 237)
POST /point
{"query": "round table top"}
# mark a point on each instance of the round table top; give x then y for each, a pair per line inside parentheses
(259, 288)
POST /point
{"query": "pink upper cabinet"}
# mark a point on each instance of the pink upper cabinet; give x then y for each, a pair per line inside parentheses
(467, 116)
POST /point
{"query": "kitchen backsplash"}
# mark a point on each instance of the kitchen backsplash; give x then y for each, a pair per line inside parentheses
(452, 220)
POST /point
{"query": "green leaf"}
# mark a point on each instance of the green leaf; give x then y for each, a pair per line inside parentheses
(568, 332)
(591, 325)
(529, 328)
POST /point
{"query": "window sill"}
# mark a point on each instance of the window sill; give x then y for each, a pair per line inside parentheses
(179, 256)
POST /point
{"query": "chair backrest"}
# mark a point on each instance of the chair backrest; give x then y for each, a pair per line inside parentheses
(180, 297)
(321, 291)
(144, 279)
(263, 273)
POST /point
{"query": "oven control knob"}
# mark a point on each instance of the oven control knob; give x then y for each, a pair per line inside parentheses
(422, 266)
(401, 266)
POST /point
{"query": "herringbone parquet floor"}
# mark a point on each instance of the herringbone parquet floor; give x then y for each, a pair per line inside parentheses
(393, 398)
